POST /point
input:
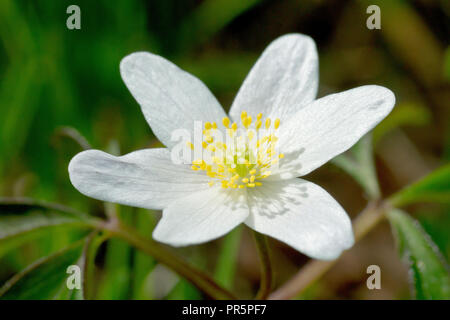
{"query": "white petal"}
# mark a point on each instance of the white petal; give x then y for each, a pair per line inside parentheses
(201, 217)
(301, 214)
(170, 98)
(145, 178)
(283, 80)
(330, 126)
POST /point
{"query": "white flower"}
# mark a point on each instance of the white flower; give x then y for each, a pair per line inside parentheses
(281, 85)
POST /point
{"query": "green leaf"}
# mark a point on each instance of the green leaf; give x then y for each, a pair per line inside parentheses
(42, 279)
(210, 17)
(184, 290)
(358, 162)
(115, 284)
(428, 270)
(142, 263)
(227, 260)
(435, 187)
(23, 219)
(87, 262)
(404, 114)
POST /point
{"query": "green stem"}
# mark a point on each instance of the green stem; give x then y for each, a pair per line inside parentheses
(266, 268)
(198, 278)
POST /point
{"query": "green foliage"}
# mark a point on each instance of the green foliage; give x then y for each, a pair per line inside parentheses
(54, 80)
(42, 279)
(142, 264)
(429, 272)
(359, 164)
(435, 187)
(403, 115)
(25, 219)
(227, 260)
(210, 17)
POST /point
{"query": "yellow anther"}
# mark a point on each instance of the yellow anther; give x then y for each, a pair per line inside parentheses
(253, 171)
(211, 148)
(258, 124)
(277, 123)
(209, 139)
(226, 122)
(267, 123)
(250, 185)
(241, 186)
(211, 174)
(258, 184)
(243, 116)
(252, 179)
(190, 145)
(195, 168)
(214, 125)
(259, 116)
(248, 121)
(281, 156)
(207, 125)
(234, 126)
(204, 144)
(244, 180)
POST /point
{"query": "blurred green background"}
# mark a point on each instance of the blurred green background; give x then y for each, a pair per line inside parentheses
(54, 79)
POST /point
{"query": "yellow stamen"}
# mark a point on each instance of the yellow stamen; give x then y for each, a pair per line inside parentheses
(243, 165)
(277, 123)
(226, 122)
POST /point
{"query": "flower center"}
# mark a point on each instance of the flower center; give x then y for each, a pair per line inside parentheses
(245, 157)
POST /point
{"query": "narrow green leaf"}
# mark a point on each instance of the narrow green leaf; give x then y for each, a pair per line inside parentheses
(87, 262)
(115, 284)
(227, 260)
(23, 219)
(428, 269)
(210, 17)
(358, 163)
(184, 290)
(435, 187)
(142, 263)
(404, 114)
(42, 279)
